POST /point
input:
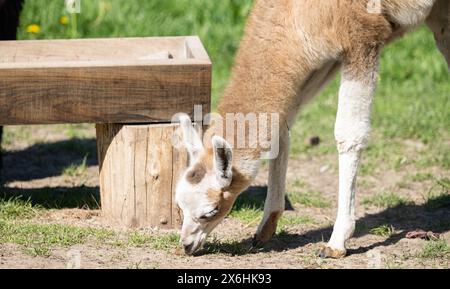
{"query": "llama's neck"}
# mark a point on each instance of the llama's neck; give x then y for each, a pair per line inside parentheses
(272, 68)
(274, 62)
(269, 71)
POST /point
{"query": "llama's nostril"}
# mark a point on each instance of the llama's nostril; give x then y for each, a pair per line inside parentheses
(188, 248)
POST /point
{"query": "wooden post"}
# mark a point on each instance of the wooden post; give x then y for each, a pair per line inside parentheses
(139, 168)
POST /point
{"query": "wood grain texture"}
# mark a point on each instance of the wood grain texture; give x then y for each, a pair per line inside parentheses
(139, 168)
(100, 51)
(102, 81)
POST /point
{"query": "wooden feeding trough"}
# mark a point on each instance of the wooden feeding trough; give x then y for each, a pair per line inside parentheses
(130, 88)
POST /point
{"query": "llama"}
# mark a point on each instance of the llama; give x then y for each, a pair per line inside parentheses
(290, 50)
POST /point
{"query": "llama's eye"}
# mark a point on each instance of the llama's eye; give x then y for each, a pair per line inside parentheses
(210, 214)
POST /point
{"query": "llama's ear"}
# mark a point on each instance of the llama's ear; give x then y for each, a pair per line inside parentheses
(191, 139)
(223, 157)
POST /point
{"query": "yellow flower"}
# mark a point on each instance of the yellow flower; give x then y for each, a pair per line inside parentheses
(33, 28)
(64, 20)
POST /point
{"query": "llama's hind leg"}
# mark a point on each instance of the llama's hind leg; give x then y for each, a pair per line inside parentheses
(275, 202)
(351, 132)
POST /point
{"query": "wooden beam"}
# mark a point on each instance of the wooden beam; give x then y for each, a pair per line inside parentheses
(129, 80)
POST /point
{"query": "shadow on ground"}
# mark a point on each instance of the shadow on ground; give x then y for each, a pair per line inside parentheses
(81, 197)
(254, 197)
(44, 160)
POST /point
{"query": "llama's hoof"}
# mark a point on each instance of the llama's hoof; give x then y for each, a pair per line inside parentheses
(327, 252)
(257, 242)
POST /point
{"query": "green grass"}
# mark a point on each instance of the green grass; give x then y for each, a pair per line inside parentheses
(165, 242)
(162, 242)
(39, 239)
(385, 200)
(421, 177)
(19, 132)
(435, 249)
(252, 216)
(76, 170)
(17, 227)
(49, 234)
(300, 184)
(444, 183)
(17, 208)
(248, 215)
(309, 199)
(138, 239)
(287, 221)
(438, 196)
(38, 251)
(417, 177)
(76, 131)
(382, 230)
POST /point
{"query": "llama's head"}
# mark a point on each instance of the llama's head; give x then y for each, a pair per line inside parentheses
(203, 192)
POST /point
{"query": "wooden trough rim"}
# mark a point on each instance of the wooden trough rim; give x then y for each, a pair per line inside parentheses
(195, 54)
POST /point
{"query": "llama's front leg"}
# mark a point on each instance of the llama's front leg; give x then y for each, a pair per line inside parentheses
(351, 132)
(274, 204)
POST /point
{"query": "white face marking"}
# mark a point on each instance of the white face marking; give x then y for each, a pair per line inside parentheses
(193, 198)
(199, 210)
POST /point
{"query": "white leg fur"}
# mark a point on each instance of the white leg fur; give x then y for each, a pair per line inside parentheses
(275, 202)
(351, 132)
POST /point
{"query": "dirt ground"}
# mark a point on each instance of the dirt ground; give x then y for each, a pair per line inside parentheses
(31, 169)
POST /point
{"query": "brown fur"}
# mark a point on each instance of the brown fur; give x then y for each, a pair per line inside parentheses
(327, 252)
(224, 201)
(196, 174)
(226, 197)
(269, 228)
(439, 23)
(274, 56)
